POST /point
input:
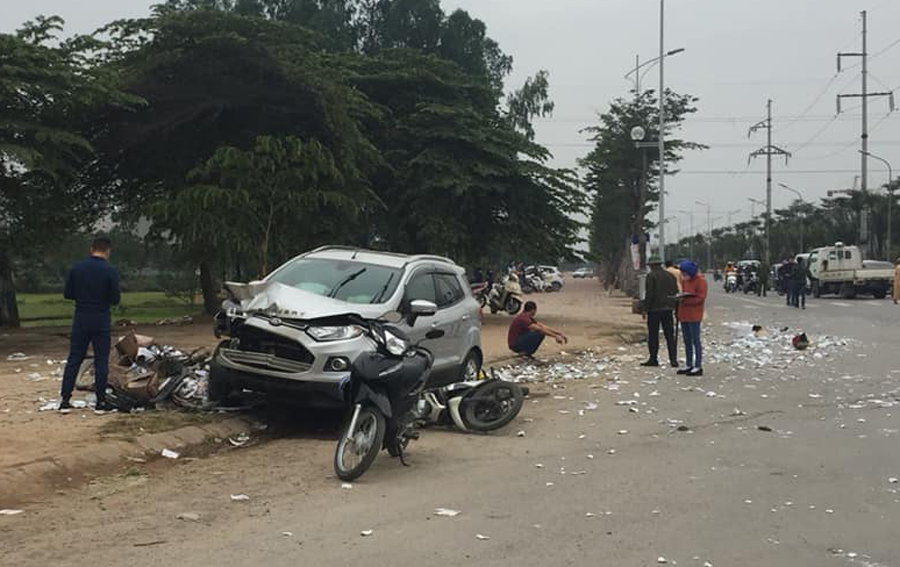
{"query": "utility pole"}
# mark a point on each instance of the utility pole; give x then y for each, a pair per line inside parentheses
(769, 150)
(864, 241)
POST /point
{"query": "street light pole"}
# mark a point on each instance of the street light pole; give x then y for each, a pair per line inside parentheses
(662, 131)
(708, 233)
(802, 214)
(890, 188)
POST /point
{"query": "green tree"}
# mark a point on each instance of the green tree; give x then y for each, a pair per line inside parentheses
(622, 180)
(51, 91)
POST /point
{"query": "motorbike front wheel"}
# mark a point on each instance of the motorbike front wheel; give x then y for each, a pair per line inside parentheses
(513, 305)
(354, 455)
(492, 405)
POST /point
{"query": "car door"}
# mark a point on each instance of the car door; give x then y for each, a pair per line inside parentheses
(420, 285)
(453, 318)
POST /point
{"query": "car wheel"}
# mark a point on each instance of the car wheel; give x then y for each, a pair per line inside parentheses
(880, 294)
(471, 367)
(555, 286)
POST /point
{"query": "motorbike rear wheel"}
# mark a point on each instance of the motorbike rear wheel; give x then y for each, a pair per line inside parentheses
(492, 405)
(353, 457)
(513, 305)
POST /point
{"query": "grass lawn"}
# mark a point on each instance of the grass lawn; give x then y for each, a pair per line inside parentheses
(51, 309)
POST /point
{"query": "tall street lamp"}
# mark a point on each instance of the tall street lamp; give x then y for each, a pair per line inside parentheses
(890, 188)
(708, 233)
(802, 214)
(662, 130)
(638, 75)
(691, 241)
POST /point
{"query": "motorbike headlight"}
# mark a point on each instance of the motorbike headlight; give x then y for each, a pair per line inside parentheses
(394, 344)
(341, 333)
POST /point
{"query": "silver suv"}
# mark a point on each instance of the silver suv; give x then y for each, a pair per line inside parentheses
(288, 335)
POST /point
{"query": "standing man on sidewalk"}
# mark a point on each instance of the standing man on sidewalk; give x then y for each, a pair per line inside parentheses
(659, 306)
(690, 313)
(94, 286)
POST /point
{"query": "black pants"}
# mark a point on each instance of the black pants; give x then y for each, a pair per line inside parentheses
(93, 329)
(654, 320)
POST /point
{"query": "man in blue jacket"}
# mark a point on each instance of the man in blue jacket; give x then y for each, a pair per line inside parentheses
(94, 286)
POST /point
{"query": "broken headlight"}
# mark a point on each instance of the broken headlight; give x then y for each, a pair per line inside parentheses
(341, 333)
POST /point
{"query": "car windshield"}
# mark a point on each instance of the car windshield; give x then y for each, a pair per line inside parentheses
(353, 282)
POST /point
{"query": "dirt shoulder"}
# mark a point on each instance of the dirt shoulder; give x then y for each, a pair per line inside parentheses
(582, 311)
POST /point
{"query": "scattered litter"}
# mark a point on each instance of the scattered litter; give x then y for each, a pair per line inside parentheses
(189, 516)
(482, 537)
(366, 533)
(893, 480)
(764, 428)
(683, 428)
(169, 454)
(287, 534)
(591, 515)
(8, 512)
(241, 440)
(447, 512)
(17, 357)
(623, 432)
(239, 498)
(662, 560)
(346, 486)
(520, 433)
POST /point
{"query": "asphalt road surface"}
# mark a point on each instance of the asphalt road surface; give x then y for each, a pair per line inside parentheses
(775, 457)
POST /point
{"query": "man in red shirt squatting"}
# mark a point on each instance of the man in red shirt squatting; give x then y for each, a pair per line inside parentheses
(526, 334)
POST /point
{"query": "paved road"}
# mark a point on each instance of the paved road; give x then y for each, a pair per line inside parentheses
(619, 485)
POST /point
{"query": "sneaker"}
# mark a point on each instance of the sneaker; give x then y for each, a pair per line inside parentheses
(683, 371)
(674, 364)
(695, 372)
(101, 407)
(65, 406)
(650, 363)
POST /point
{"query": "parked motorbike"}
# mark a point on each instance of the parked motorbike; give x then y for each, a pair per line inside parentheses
(482, 292)
(731, 282)
(478, 405)
(533, 283)
(381, 393)
(506, 296)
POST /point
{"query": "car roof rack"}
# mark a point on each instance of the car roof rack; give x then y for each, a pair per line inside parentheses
(356, 250)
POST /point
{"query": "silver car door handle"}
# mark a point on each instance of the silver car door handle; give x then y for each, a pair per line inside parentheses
(465, 317)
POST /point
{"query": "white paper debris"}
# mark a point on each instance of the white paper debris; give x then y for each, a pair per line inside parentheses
(188, 516)
(8, 512)
(447, 512)
(346, 486)
(482, 537)
(169, 454)
(239, 498)
(366, 533)
(520, 433)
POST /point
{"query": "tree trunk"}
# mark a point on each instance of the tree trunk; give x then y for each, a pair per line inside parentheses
(9, 310)
(211, 303)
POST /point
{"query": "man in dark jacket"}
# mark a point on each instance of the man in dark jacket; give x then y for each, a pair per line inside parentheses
(659, 305)
(799, 274)
(94, 286)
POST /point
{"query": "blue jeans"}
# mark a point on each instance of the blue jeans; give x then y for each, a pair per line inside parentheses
(528, 343)
(91, 329)
(693, 350)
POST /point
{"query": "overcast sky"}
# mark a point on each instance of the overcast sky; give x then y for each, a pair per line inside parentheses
(738, 54)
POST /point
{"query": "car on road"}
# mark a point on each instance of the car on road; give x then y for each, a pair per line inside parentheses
(582, 273)
(290, 336)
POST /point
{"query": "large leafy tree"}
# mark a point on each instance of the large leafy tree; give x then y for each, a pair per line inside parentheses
(623, 180)
(50, 93)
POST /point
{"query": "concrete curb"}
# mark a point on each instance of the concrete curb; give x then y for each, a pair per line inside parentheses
(22, 480)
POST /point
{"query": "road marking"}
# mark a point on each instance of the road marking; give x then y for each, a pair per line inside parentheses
(760, 303)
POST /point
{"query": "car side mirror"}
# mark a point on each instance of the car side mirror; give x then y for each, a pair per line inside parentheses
(419, 308)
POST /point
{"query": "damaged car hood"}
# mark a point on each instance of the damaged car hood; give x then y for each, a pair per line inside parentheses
(281, 300)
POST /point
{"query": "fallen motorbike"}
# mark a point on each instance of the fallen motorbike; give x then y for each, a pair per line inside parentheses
(506, 296)
(478, 405)
(381, 392)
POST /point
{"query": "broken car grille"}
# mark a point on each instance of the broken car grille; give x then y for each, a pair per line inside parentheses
(261, 349)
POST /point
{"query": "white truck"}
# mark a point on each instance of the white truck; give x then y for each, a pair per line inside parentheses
(840, 270)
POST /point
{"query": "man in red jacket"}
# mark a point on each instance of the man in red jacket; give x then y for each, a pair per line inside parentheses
(690, 314)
